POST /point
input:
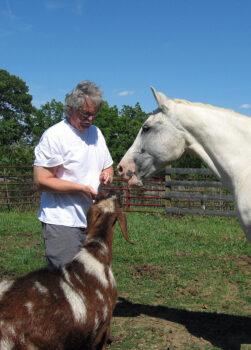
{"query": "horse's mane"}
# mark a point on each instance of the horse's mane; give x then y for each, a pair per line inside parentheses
(205, 105)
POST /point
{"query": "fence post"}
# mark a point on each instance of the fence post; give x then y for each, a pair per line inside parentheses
(6, 189)
(127, 198)
(168, 189)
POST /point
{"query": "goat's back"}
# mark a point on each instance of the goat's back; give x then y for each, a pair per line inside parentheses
(62, 309)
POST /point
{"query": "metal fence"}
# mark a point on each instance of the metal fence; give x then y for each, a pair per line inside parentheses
(150, 198)
(17, 190)
(180, 191)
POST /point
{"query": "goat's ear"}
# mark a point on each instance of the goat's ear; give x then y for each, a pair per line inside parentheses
(123, 225)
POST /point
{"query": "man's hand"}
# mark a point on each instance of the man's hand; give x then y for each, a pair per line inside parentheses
(106, 176)
(89, 192)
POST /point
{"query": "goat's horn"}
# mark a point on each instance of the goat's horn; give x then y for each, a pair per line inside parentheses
(123, 226)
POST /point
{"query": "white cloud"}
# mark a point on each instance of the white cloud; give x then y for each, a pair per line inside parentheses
(76, 6)
(8, 11)
(246, 106)
(10, 23)
(126, 93)
(5, 32)
(7, 14)
(54, 5)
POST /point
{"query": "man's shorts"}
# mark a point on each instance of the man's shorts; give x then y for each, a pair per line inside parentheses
(62, 243)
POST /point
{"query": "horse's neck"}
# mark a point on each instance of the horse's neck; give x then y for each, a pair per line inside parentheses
(222, 141)
(200, 151)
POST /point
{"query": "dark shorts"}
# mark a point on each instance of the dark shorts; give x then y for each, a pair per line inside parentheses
(62, 243)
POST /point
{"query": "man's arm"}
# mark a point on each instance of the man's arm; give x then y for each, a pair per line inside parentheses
(45, 179)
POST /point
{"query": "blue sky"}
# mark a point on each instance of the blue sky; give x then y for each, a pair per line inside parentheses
(199, 50)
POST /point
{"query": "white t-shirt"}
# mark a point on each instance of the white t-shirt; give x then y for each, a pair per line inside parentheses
(80, 156)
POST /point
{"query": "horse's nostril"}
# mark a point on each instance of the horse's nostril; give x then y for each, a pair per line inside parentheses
(129, 173)
(120, 169)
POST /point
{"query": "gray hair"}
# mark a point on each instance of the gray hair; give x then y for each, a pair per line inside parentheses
(77, 97)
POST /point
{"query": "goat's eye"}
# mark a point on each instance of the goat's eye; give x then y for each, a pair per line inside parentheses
(145, 128)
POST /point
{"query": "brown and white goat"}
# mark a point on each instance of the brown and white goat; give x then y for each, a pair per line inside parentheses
(70, 308)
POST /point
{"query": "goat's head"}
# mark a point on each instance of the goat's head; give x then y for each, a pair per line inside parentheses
(105, 212)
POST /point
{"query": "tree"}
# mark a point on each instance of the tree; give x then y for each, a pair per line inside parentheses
(49, 114)
(19, 153)
(133, 112)
(119, 127)
(15, 109)
(21, 124)
(129, 122)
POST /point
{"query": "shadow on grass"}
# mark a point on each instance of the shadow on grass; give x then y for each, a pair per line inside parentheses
(227, 332)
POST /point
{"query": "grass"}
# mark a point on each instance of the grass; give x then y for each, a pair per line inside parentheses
(184, 284)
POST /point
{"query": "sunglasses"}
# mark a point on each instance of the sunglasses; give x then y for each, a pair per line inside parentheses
(85, 115)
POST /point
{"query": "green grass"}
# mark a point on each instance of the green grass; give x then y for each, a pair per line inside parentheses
(188, 262)
(183, 284)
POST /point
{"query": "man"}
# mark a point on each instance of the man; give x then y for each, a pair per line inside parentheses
(71, 160)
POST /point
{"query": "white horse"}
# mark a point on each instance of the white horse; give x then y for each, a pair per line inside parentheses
(220, 137)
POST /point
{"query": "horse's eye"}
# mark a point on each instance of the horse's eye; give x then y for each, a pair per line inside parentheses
(145, 128)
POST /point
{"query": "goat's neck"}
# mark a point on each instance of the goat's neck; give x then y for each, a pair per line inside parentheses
(104, 237)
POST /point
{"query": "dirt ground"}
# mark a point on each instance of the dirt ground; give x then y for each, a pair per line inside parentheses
(159, 327)
(163, 328)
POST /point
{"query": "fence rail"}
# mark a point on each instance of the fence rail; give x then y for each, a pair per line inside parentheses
(197, 192)
(180, 191)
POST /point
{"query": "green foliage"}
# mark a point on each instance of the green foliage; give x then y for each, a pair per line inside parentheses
(188, 160)
(22, 125)
(19, 153)
(15, 109)
(120, 127)
(48, 115)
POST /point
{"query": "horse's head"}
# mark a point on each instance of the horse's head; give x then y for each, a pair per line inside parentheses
(159, 141)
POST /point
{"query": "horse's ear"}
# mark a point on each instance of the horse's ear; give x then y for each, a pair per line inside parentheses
(161, 99)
